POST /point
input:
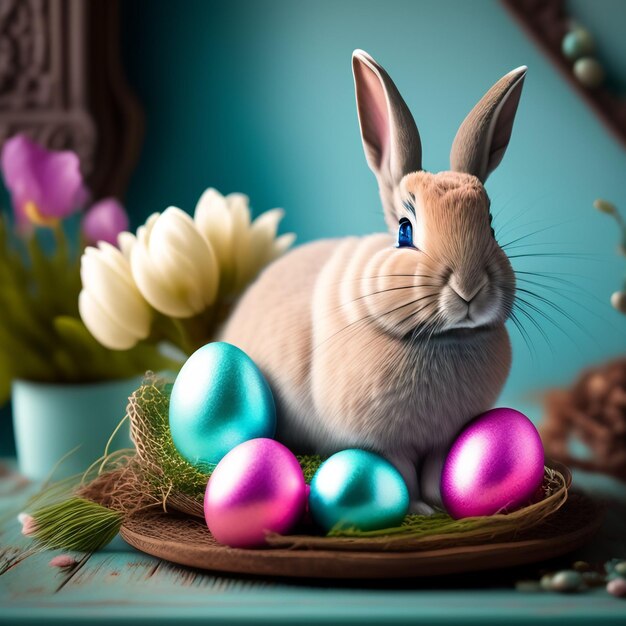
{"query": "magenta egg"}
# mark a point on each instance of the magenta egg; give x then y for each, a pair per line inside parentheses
(257, 487)
(495, 464)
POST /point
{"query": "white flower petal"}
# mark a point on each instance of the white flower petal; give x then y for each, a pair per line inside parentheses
(106, 330)
(214, 222)
(262, 236)
(113, 257)
(118, 299)
(238, 205)
(186, 257)
(126, 241)
(282, 244)
(268, 222)
(154, 287)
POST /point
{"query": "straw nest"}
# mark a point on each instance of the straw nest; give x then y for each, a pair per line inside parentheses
(154, 476)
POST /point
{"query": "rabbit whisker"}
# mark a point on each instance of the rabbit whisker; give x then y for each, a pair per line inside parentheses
(567, 295)
(524, 334)
(558, 309)
(381, 291)
(519, 307)
(537, 244)
(553, 276)
(536, 232)
(566, 255)
(343, 305)
(370, 317)
(348, 280)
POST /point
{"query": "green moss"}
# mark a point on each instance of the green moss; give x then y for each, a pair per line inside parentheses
(150, 417)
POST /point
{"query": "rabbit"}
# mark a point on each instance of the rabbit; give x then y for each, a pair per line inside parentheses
(392, 342)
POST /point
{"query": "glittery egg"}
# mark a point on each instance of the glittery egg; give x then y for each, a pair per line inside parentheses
(356, 488)
(219, 400)
(496, 463)
(257, 487)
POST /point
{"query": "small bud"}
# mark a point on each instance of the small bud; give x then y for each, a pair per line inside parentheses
(28, 525)
(605, 206)
(567, 581)
(618, 301)
(62, 561)
(594, 579)
(617, 587)
(546, 582)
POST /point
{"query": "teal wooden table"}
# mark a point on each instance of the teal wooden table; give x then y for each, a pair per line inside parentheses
(120, 585)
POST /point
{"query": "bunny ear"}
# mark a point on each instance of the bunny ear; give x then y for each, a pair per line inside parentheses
(390, 137)
(483, 137)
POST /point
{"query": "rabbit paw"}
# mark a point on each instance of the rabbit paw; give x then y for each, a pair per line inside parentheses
(418, 507)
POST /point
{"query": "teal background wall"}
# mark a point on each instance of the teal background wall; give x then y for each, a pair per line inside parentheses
(258, 97)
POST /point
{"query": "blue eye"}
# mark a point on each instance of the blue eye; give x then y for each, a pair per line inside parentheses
(405, 233)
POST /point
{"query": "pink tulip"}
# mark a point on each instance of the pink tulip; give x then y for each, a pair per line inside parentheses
(45, 185)
(104, 221)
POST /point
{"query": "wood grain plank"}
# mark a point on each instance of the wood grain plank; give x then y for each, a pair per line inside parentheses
(119, 584)
(16, 551)
(308, 606)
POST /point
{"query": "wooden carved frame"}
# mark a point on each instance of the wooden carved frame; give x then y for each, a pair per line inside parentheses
(547, 22)
(61, 82)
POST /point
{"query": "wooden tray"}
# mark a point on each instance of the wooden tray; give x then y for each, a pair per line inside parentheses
(569, 528)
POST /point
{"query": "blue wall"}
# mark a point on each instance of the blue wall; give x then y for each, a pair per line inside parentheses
(258, 97)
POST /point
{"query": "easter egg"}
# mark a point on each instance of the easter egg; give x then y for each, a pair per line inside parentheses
(589, 72)
(496, 463)
(219, 400)
(577, 43)
(257, 487)
(359, 489)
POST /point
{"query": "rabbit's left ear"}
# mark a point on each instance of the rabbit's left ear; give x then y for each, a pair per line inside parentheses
(483, 137)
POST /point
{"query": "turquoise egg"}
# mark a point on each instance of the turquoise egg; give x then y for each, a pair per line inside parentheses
(358, 489)
(219, 400)
(577, 43)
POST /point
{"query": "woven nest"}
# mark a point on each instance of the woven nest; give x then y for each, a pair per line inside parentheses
(593, 412)
(155, 477)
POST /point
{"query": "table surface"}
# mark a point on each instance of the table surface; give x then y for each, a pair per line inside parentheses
(121, 585)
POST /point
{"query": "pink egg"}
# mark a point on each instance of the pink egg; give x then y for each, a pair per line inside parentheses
(257, 487)
(496, 463)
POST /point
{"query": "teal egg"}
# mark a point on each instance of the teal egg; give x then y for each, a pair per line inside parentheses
(577, 43)
(219, 400)
(358, 489)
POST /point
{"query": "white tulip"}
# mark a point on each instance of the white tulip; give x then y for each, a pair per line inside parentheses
(174, 266)
(110, 304)
(242, 248)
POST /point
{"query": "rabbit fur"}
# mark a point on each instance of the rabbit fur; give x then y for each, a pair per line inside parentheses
(389, 348)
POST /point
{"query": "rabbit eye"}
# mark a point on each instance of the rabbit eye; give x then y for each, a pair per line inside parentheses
(405, 233)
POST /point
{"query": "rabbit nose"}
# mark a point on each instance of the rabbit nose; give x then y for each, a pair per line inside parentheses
(466, 292)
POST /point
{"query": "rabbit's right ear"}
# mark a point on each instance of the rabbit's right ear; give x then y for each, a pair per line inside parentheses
(390, 137)
(484, 135)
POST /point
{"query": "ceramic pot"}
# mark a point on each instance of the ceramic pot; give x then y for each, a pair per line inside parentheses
(50, 420)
